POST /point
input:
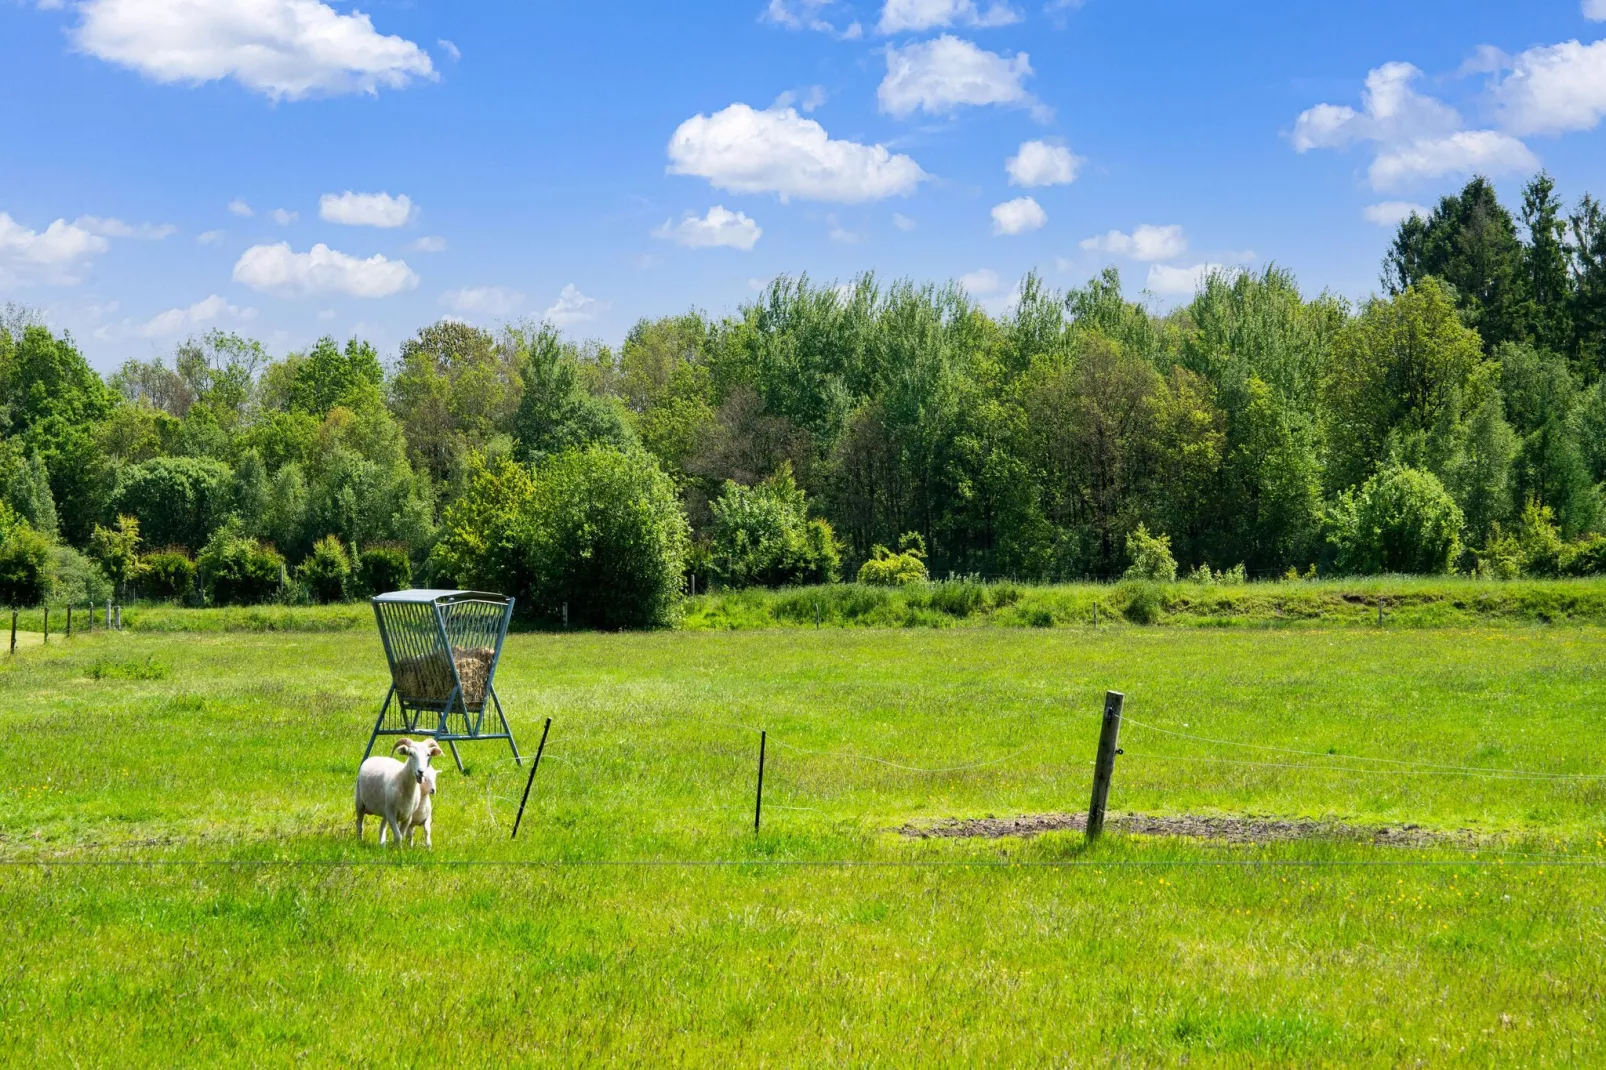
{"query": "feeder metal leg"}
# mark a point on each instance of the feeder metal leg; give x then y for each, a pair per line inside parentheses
(506, 728)
(380, 723)
(453, 745)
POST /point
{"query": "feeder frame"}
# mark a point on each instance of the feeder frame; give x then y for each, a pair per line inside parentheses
(426, 634)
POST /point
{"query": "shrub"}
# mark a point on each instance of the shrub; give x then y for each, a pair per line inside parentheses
(1586, 557)
(763, 536)
(1151, 557)
(1142, 600)
(115, 549)
(77, 579)
(167, 574)
(177, 500)
(381, 569)
(239, 571)
(888, 569)
(1236, 576)
(598, 528)
(326, 571)
(1403, 520)
(1541, 543)
(25, 567)
(1202, 575)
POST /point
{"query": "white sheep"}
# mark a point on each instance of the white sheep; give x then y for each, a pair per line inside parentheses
(391, 789)
(422, 814)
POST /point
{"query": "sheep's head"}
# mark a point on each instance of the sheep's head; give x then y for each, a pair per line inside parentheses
(417, 753)
(428, 783)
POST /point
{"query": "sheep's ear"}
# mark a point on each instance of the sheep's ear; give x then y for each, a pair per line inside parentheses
(401, 744)
(435, 748)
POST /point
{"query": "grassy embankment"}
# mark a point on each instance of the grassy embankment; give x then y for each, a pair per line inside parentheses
(265, 933)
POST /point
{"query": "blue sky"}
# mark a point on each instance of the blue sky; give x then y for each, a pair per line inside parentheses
(290, 168)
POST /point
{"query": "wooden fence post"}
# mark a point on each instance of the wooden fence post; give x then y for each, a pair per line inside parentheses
(1104, 765)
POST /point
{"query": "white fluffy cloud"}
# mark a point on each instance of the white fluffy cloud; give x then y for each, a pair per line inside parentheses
(52, 255)
(488, 300)
(284, 217)
(429, 244)
(572, 307)
(980, 282)
(177, 321)
(366, 209)
(898, 16)
(240, 208)
(1039, 163)
(1392, 213)
(902, 222)
(1167, 281)
(1555, 89)
(948, 73)
(1416, 137)
(285, 49)
(321, 270)
(1018, 216)
(1147, 243)
(116, 228)
(778, 151)
(810, 15)
(1458, 154)
(719, 228)
(1595, 10)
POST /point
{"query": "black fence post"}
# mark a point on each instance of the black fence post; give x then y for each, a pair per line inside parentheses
(533, 767)
(758, 806)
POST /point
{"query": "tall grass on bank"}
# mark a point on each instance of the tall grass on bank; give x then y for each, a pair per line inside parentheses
(1406, 601)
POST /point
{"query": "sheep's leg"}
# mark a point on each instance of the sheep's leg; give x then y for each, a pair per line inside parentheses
(395, 830)
(429, 842)
(359, 823)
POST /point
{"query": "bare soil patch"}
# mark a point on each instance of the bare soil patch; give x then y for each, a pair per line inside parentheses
(1242, 830)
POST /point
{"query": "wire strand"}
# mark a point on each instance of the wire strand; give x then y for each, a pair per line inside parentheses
(1467, 769)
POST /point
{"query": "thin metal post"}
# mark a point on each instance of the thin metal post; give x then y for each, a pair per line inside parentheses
(13, 629)
(816, 616)
(118, 617)
(565, 614)
(69, 620)
(533, 767)
(47, 624)
(758, 806)
(1104, 765)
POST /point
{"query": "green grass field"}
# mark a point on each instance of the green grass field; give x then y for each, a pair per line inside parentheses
(183, 884)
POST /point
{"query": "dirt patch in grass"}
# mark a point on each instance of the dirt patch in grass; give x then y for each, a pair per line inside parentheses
(1242, 830)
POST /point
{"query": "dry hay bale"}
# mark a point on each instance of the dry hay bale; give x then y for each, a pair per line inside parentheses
(474, 670)
(426, 678)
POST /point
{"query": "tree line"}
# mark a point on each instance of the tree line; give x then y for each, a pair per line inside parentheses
(1454, 422)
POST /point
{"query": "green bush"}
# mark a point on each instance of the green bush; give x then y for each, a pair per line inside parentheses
(1541, 542)
(1402, 521)
(1142, 600)
(1151, 557)
(76, 579)
(239, 571)
(326, 571)
(25, 567)
(1586, 557)
(598, 528)
(381, 569)
(762, 536)
(177, 500)
(167, 574)
(888, 569)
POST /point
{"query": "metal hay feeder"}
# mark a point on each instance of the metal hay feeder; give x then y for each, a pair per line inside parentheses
(443, 648)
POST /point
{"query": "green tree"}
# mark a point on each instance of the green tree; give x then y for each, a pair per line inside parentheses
(25, 567)
(1398, 369)
(177, 501)
(762, 535)
(556, 412)
(116, 550)
(1403, 521)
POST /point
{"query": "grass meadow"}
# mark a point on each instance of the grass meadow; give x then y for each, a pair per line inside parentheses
(182, 884)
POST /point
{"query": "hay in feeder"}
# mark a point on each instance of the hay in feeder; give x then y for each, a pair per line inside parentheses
(429, 678)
